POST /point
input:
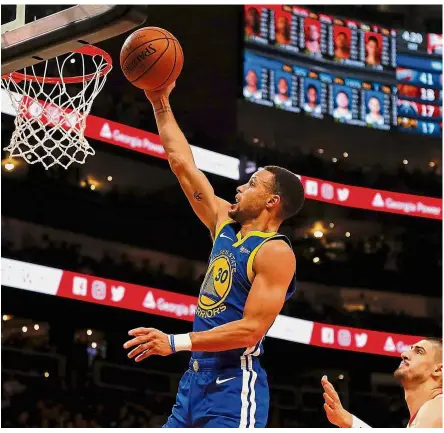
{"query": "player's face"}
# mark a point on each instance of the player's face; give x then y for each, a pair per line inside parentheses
(371, 48)
(250, 18)
(281, 24)
(374, 105)
(251, 78)
(283, 86)
(312, 95)
(419, 363)
(252, 197)
(342, 100)
(341, 41)
(313, 34)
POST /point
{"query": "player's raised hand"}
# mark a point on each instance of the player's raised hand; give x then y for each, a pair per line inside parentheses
(148, 341)
(155, 95)
(336, 414)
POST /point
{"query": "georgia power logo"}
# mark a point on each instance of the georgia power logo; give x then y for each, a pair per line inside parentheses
(216, 285)
(106, 132)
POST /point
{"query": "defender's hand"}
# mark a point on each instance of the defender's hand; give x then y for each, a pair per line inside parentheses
(336, 414)
(148, 341)
(157, 95)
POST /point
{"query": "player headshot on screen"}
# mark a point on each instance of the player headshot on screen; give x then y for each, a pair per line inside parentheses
(252, 22)
(312, 38)
(342, 110)
(342, 46)
(282, 33)
(312, 100)
(282, 97)
(374, 116)
(251, 90)
(372, 51)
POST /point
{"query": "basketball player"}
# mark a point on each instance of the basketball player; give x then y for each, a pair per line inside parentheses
(251, 273)
(420, 374)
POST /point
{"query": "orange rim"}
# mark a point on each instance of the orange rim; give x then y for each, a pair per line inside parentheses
(89, 50)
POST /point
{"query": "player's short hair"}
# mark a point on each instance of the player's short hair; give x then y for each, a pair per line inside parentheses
(437, 342)
(289, 188)
(374, 39)
(256, 24)
(343, 34)
(312, 86)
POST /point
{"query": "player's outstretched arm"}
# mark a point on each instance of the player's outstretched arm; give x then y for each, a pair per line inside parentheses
(334, 410)
(274, 267)
(208, 207)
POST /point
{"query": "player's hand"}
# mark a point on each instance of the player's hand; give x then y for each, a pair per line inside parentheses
(148, 341)
(336, 414)
(155, 95)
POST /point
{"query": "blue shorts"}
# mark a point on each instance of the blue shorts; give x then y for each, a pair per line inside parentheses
(213, 396)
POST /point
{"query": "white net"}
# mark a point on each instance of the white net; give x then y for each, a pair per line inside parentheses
(51, 112)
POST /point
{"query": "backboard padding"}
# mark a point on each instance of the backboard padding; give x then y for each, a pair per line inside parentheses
(66, 31)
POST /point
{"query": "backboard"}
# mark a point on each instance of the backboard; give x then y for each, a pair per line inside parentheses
(31, 34)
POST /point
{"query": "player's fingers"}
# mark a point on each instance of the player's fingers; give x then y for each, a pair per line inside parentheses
(140, 331)
(325, 382)
(150, 346)
(141, 339)
(328, 409)
(329, 400)
(136, 351)
(329, 390)
(144, 355)
(140, 348)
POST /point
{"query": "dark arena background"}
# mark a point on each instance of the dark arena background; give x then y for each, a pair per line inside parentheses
(100, 248)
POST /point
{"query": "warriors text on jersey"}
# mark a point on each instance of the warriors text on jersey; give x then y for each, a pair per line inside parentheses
(227, 283)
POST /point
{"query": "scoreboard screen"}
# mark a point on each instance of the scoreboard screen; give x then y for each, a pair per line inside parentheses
(419, 83)
(412, 42)
(298, 88)
(357, 73)
(297, 30)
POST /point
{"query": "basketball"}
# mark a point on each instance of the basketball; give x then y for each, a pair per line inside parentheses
(151, 58)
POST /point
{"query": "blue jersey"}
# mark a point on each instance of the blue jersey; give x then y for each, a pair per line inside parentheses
(227, 283)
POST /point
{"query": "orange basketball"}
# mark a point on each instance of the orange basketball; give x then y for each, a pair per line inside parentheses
(151, 58)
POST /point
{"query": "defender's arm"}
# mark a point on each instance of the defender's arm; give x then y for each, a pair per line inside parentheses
(334, 410)
(208, 207)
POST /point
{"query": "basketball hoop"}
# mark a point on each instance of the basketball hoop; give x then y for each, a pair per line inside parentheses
(52, 111)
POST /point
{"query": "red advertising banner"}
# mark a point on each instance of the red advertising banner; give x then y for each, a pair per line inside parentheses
(102, 291)
(372, 199)
(124, 136)
(125, 295)
(315, 189)
(148, 143)
(361, 340)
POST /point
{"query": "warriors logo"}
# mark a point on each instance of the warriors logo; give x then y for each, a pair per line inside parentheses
(215, 287)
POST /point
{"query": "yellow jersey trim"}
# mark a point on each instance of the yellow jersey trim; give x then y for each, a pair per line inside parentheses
(251, 260)
(241, 240)
(221, 226)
